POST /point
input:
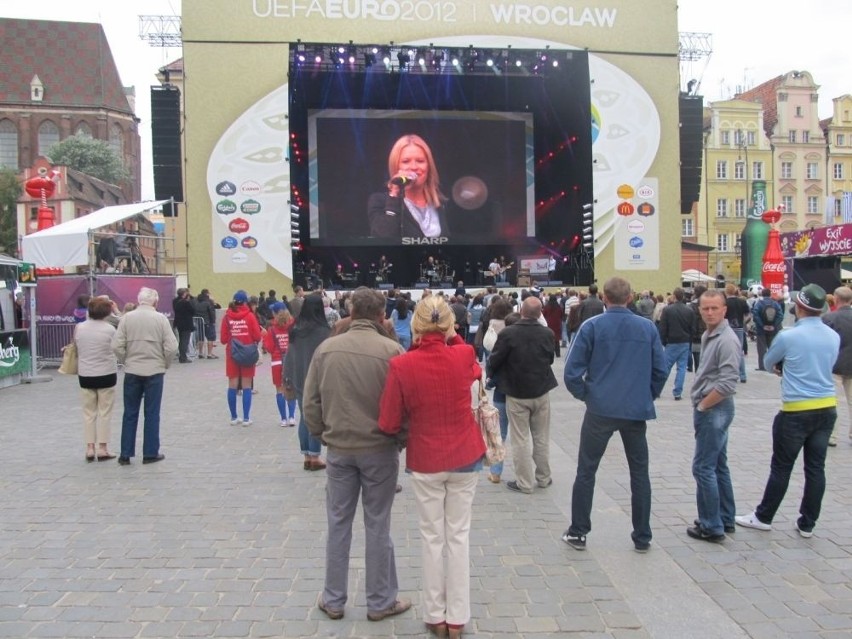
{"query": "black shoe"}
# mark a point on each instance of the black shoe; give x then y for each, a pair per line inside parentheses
(577, 542)
(678, 398)
(696, 532)
(729, 528)
(151, 460)
(513, 485)
(641, 546)
(124, 461)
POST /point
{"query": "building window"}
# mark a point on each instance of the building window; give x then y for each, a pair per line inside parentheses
(740, 207)
(8, 145)
(726, 138)
(838, 206)
(787, 203)
(757, 170)
(811, 171)
(722, 207)
(48, 135)
(787, 170)
(116, 141)
(739, 170)
(83, 130)
(838, 170)
(841, 139)
(686, 227)
(721, 169)
(738, 137)
(792, 137)
(750, 138)
(722, 242)
(806, 137)
(813, 204)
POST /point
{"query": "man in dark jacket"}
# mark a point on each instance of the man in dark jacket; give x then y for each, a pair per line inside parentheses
(617, 366)
(676, 324)
(841, 321)
(768, 317)
(184, 312)
(592, 305)
(520, 363)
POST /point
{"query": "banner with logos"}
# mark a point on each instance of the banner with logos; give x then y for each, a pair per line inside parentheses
(819, 242)
(15, 356)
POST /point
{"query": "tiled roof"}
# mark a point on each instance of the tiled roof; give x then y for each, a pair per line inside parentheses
(767, 95)
(92, 190)
(72, 59)
(177, 65)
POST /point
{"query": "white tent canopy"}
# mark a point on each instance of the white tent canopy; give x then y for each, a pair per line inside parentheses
(694, 275)
(67, 244)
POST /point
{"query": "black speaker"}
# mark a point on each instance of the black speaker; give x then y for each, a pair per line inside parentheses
(691, 129)
(166, 145)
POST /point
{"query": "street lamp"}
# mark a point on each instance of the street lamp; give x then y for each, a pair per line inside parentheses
(742, 145)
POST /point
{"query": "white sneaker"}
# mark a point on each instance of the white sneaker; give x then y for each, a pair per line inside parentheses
(293, 422)
(284, 423)
(807, 534)
(236, 421)
(247, 422)
(751, 521)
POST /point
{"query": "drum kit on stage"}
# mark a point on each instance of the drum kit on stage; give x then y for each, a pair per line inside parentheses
(437, 272)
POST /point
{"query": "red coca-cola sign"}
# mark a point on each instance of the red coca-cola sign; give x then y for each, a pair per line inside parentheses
(774, 273)
(238, 225)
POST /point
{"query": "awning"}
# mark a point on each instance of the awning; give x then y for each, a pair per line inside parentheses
(67, 244)
(695, 276)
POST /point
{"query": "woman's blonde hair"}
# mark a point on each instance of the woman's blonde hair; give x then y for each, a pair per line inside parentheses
(282, 318)
(431, 315)
(432, 188)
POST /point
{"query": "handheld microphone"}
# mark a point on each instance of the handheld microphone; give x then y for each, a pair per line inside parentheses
(404, 180)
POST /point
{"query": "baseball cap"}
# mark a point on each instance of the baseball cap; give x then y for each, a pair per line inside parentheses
(811, 297)
(278, 307)
(241, 297)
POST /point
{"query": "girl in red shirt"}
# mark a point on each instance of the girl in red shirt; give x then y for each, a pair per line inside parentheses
(240, 324)
(276, 340)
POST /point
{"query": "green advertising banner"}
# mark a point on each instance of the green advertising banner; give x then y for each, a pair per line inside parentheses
(15, 355)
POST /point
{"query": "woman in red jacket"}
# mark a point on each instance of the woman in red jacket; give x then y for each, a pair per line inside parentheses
(428, 392)
(276, 340)
(240, 324)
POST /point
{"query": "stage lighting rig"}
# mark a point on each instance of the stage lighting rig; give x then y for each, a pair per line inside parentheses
(588, 227)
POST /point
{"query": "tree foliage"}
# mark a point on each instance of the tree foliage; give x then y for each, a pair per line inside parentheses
(92, 157)
(10, 191)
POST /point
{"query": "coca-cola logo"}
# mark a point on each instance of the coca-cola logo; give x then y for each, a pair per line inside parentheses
(238, 225)
(775, 267)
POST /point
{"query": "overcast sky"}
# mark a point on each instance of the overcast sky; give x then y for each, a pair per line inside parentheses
(752, 40)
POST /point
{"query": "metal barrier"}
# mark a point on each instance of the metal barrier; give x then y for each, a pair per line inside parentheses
(50, 338)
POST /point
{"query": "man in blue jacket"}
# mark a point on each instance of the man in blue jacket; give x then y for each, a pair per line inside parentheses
(617, 366)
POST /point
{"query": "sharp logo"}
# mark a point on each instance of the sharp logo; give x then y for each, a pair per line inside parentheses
(424, 240)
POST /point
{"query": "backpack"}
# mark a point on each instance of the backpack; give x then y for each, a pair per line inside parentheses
(767, 314)
(244, 355)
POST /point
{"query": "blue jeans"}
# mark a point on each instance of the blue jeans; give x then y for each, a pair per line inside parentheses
(678, 354)
(309, 444)
(594, 437)
(499, 401)
(807, 431)
(714, 491)
(137, 387)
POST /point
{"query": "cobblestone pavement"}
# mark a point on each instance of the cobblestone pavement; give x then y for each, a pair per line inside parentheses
(225, 538)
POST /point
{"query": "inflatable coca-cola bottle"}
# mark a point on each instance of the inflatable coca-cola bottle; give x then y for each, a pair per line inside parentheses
(774, 274)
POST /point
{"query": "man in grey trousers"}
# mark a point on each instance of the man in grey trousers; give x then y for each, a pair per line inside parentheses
(341, 407)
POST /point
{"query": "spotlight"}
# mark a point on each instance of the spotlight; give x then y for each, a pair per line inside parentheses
(588, 227)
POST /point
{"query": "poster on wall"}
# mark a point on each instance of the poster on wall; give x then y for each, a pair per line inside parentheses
(637, 233)
(15, 356)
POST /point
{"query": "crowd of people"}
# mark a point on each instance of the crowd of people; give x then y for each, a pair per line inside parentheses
(374, 373)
